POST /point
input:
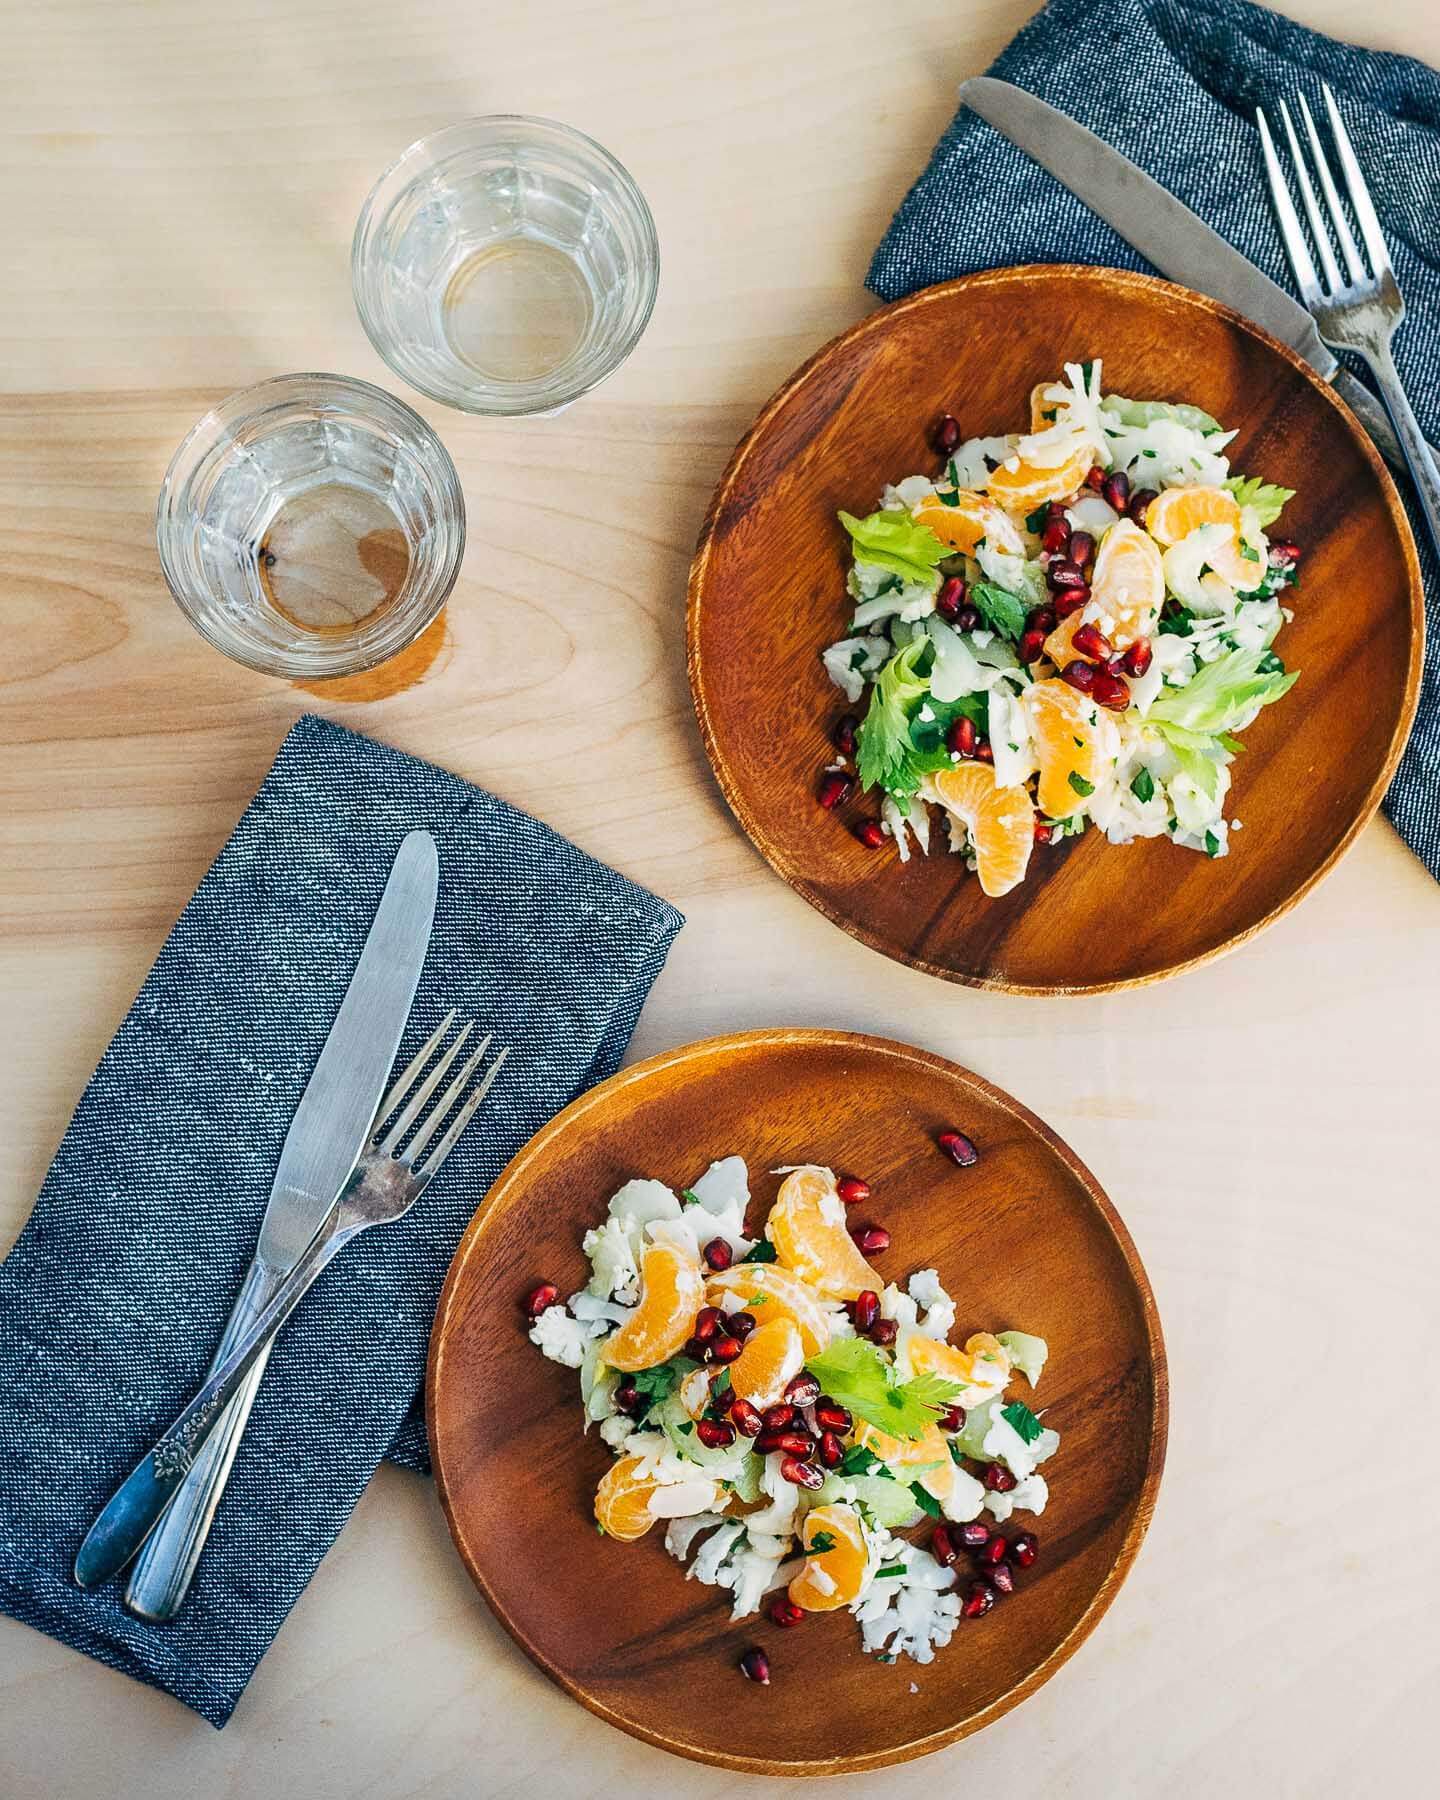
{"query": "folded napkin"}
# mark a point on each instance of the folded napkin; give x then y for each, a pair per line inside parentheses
(1173, 85)
(115, 1295)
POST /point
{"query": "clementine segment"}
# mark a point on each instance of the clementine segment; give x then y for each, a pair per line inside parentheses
(807, 1227)
(1000, 821)
(1178, 511)
(1128, 584)
(982, 1368)
(1070, 746)
(1028, 486)
(773, 1355)
(622, 1501)
(833, 1574)
(672, 1291)
(928, 1455)
(972, 518)
(769, 1291)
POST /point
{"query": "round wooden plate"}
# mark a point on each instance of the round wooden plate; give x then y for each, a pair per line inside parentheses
(1025, 1238)
(767, 594)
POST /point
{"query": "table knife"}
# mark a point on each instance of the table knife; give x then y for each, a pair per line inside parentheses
(1165, 231)
(324, 1141)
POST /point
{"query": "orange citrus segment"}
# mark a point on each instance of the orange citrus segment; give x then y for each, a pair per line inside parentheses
(622, 1501)
(1060, 645)
(774, 1354)
(1000, 820)
(973, 517)
(833, 1576)
(807, 1227)
(930, 1452)
(1068, 742)
(671, 1293)
(982, 1367)
(1178, 511)
(1039, 406)
(1028, 486)
(1128, 585)
(769, 1291)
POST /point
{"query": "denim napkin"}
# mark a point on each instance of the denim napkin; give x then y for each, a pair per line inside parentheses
(1173, 85)
(113, 1298)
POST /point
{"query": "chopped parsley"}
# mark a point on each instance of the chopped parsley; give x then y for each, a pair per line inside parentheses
(763, 1251)
(1081, 786)
(1027, 1426)
(1001, 610)
(860, 1461)
(1212, 844)
(890, 1569)
(821, 1542)
(1178, 621)
(1143, 786)
(689, 1197)
(925, 1500)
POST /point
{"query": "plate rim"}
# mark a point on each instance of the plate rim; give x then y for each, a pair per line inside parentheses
(878, 320)
(781, 1038)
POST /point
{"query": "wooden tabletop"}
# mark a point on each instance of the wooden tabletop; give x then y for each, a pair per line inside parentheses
(179, 182)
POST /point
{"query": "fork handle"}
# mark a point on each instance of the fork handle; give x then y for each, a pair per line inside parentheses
(1418, 456)
(137, 1505)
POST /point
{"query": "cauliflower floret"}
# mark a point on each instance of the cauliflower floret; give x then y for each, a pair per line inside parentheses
(924, 1288)
(612, 1260)
(1029, 1495)
(560, 1337)
(851, 660)
(910, 1614)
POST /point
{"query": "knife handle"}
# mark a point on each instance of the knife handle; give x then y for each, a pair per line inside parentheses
(166, 1566)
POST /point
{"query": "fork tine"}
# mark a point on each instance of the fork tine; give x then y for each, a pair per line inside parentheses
(1338, 220)
(424, 1091)
(403, 1081)
(1355, 186)
(439, 1112)
(1291, 230)
(1312, 205)
(462, 1119)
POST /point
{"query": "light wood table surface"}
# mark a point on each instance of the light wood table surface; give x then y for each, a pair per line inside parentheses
(178, 180)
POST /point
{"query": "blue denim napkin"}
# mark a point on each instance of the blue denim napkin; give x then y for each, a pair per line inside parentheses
(114, 1297)
(1173, 84)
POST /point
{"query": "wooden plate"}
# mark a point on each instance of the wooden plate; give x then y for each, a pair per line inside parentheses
(766, 595)
(1025, 1238)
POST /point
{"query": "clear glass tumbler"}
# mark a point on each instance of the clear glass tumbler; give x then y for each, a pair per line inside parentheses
(311, 526)
(505, 266)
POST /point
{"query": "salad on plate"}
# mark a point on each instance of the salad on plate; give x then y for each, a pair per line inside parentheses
(1065, 627)
(786, 1413)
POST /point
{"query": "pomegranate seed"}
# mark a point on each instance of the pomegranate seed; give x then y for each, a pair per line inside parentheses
(1116, 489)
(962, 736)
(627, 1397)
(865, 1309)
(1092, 643)
(1082, 548)
(871, 834)
(973, 1534)
(1138, 657)
(1110, 691)
(802, 1390)
(715, 1434)
(851, 1188)
(884, 1331)
(722, 1399)
(1065, 574)
(958, 1148)
(793, 1443)
(967, 619)
(953, 1419)
(755, 1666)
(843, 737)
(835, 789)
(983, 751)
(1042, 619)
(708, 1321)
(741, 1324)
(718, 1254)
(831, 1451)
(725, 1349)
(1070, 600)
(778, 1418)
(1002, 1579)
(947, 434)
(872, 1237)
(1024, 1547)
(539, 1298)
(991, 1554)
(696, 1349)
(998, 1478)
(942, 1545)
(785, 1613)
(1095, 479)
(1056, 536)
(802, 1474)
(830, 1417)
(1080, 675)
(1032, 646)
(1044, 833)
(951, 597)
(744, 1417)
(979, 1600)
(1140, 504)
(1285, 551)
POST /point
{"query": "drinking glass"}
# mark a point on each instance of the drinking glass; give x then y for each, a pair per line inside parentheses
(505, 266)
(311, 526)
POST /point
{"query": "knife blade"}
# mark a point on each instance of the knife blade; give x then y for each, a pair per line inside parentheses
(1166, 233)
(326, 1136)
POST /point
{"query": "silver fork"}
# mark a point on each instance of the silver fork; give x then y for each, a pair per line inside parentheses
(386, 1183)
(1359, 313)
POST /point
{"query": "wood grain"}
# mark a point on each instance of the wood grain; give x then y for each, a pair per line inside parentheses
(767, 595)
(1024, 1239)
